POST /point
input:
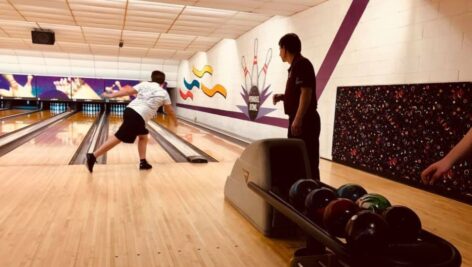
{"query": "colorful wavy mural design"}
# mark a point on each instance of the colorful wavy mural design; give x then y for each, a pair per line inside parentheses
(190, 86)
(199, 73)
(217, 89)
(185, 95)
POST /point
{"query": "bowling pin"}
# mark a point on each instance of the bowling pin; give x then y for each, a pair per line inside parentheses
(254, 72)
(247, 77)
(254, 95)
(266, 66)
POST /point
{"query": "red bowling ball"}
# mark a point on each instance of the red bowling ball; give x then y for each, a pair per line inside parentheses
(336, 215)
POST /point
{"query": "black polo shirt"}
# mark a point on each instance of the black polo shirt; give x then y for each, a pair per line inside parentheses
(300, 74)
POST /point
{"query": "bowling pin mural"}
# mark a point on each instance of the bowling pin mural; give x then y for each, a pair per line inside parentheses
(254, 96)
(263, 72)
(255, 91)
(247, 76)
(13, 88)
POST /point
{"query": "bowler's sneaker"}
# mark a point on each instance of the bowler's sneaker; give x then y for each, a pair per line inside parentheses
(90, 161)
(144, 165)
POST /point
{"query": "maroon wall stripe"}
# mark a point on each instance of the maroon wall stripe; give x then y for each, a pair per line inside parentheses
(340, 41)
(238, 115)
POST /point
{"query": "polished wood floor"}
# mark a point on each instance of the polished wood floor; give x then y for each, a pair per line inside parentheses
(54, 147)
(10, 112)
(219, 148)
(172, 215)
(11, 124)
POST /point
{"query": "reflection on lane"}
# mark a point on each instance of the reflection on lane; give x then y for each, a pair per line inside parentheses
(215, 146)
(55, 146)
(13, 124)
(9, 112)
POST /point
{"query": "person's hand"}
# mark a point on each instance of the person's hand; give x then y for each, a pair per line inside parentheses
(277, 97)
(296, 128)
(435, 171)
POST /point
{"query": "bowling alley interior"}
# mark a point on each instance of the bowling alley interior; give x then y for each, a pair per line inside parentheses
(308, 133)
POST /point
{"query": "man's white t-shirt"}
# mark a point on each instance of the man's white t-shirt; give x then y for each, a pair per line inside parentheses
(150, 97)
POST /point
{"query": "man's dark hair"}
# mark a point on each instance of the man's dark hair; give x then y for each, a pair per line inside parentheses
(158, 77)
(291, 43)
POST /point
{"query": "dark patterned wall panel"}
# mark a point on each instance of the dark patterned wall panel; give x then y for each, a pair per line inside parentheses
(396, 131)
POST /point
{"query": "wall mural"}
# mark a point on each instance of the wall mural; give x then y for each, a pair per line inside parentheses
(115, 85)
(187, 94)
(199, 73)
(254, 90)
(58, 88)
(217, 89)
(16, 85)
(339, 43)
(210, 92)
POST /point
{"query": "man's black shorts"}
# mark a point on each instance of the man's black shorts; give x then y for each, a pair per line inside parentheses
(133, 125)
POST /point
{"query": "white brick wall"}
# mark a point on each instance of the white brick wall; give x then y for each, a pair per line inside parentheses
(396, 41)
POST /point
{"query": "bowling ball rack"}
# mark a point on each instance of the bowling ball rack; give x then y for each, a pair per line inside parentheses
(317, 236)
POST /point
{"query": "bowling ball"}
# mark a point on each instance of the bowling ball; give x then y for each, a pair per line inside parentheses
(404, 224)
(299, 190)
(351, 191)
(367, 234)
(336, 215)
(316, 201)
(373, 202)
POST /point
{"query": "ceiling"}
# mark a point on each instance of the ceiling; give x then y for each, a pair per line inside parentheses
(165, 30)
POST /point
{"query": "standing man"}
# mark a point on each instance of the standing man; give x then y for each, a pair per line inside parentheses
(299, 99)
(150, 96)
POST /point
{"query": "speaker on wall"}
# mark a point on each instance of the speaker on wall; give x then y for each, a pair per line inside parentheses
(43, 37)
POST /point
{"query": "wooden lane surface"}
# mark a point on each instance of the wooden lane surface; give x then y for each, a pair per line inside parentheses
(12, 124)
(172, 215)
(56, 146)
(215, 146)
(447, 218)
(128, 153)
(9, 112)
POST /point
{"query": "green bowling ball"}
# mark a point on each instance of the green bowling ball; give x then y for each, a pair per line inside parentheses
(374, 202)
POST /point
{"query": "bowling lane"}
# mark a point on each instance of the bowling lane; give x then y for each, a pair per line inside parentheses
(128, 153)
(9, 112)
(55, 146)
(217, 147)
(12, 124)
